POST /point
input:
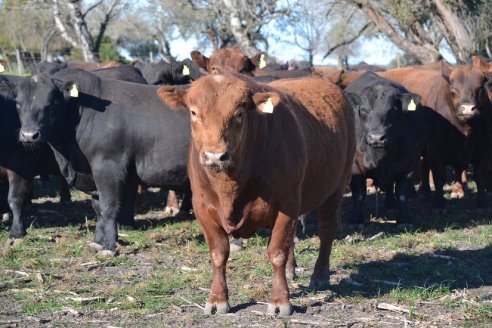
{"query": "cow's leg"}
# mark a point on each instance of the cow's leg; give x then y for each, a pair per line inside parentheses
(425, 187)
(98, 234)
(290, 268)
(390, 201)
(172, 205)
(65, 196)
(127, 217)
(138, 198)
(439, 177)
(218, 245)
(359, 191)
(327, 228)
(480, 168)
(19, 191)
(186, 203)
(279, 251)
(403, 185)
(111, 191)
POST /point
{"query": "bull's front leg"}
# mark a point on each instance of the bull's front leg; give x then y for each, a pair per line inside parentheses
(19, 192)
(279, 252)
(218, 244)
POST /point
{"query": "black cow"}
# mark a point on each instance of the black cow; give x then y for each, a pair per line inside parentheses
(45, 67)
(20, 165)
(391, 132)
(178, 73)
(119, 132)
(127, 73)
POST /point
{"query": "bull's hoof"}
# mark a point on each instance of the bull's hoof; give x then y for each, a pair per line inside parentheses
(171, 210)
(5, 217)
(95, 246)
(13, 242)
(319, 283)
(457, 194)
(106, 253)
(280, 309)
(216, 308)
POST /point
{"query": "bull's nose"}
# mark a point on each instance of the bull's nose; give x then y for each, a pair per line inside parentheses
(215, 157)
(29, 136)
(468, 109)
(376, 138)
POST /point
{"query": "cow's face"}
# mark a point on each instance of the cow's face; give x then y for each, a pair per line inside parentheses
(380, 110)
(228, 60)
(221, 108)
(467, 91)
(41, 102)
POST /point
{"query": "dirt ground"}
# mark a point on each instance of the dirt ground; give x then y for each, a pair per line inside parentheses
(436, 272)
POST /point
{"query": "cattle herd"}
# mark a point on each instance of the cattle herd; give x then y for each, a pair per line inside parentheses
(249, 143)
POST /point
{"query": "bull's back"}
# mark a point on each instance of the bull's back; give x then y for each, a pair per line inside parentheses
(327, 125)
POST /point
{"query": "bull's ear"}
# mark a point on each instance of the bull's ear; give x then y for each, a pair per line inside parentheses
(410, 102)
(67, 88)
(199, 60)
(260, 59)
(171, 96)
(446, 69)
(7, 89)
(266, 102)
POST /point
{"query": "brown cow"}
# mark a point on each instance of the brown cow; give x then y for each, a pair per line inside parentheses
(459, 131)
(228, 60)
(260, 156)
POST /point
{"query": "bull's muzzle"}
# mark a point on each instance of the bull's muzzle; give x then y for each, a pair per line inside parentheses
(30, 136)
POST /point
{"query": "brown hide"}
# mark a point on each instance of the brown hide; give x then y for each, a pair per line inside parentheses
(279, 165)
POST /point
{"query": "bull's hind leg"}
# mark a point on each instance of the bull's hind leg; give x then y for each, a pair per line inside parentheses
(218, 245)
(280, 251)
(327, 228)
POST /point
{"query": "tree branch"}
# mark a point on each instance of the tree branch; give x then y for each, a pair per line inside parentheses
(348, 41)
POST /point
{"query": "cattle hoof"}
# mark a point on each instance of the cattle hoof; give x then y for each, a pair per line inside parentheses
(457, 195)
(95, 246)
(106, 253)
(171, 210)
(13, 242)
(319, 283)
(280, 309)
(5, 217)
(216, 308)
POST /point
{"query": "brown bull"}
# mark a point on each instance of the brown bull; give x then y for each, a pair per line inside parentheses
(228, 60)
(260, 156)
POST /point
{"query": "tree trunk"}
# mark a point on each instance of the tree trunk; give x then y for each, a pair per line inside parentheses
(82, 32)
(237, 30)
(454, 30)
(420, 48)
(20, 65)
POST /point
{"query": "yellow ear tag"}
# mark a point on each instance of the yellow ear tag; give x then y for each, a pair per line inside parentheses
(186, 70)
(268, 106)
(74, 93)
(412, 106)
(2, 69)
(262, 61)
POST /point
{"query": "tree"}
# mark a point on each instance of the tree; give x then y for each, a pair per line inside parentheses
(74, 29)
(419, 27)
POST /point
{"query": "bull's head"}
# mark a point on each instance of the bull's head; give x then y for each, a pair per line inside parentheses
(41, 102)
(222, 110)
(229, 60)
(467, 85)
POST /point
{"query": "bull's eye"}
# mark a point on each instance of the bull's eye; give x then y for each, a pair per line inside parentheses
(193, 113)
(454, 92)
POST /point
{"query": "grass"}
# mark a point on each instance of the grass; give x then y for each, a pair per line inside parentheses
(164, 265)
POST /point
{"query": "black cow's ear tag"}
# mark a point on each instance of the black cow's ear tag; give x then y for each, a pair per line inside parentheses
(412, 106)
(262, 63)
(186, 70)
(74, 92)
(268, 106)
